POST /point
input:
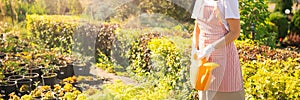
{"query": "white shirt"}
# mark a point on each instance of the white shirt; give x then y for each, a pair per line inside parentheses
(227, 9)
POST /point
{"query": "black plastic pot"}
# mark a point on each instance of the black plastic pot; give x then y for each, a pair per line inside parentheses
(15, 77)
(33, 76)
(8, 87)
(2, 55)
(22, 93)
(81, 69)
(9, 73)
(71, 68)
(49, 79)
(65, 71)
(36, 70)
(24, 81)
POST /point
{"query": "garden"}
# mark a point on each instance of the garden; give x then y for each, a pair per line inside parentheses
(136, 49)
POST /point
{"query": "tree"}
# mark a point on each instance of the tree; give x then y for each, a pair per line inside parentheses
(282, 5)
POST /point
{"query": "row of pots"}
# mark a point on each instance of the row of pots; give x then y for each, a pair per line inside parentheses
(13, 83)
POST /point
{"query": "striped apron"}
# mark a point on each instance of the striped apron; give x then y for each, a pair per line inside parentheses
(228, 76)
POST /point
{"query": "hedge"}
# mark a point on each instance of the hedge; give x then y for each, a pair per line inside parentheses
(72, 33)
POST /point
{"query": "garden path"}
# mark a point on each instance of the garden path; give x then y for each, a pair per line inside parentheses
(102, 73)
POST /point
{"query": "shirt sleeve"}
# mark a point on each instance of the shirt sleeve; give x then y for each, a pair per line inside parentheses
(232, 9)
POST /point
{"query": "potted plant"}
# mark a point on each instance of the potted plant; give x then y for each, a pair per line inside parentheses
(34, 66)
(80, 65)
(15, 78)
(9, 67)
(13, 96)
(63, 63)
(23, 90)
(49, 77)
(7, 87)
(36, 93)
(71, 80)
(33, 76)
(27, 97)
(49, 95)
(24, 82)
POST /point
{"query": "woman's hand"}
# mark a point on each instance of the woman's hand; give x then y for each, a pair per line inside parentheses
(205, 53)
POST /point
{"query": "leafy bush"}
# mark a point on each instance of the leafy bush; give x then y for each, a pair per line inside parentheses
(155, 56)
(105, 63)
(139, 54)
(295, 23)
(271, 79)
(269, 73)
(54, 31)
(60, 31)
(256, 27)
(93, 39)
(281, 22)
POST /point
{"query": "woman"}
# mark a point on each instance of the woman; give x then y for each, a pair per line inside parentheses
(217, 26)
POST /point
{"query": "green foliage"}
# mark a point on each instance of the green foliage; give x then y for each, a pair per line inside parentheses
(105, 63)
(271, 79)
(281, 22)
(59, 31)
(121, 91)
(139, 54)
(259, 8)
(54, 31)
(295, 23)
(269, 73)
(282, 5)
(5, 27)
(18, 9)
(165, 59)
(152, 56)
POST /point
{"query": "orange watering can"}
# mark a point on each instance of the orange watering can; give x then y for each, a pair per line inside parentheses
(202, 76)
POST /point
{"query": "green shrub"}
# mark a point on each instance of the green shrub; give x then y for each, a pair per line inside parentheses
(269, 73)
(155, 55)
(256, 27)
(60, 31)
(139, 54)
(54, 31)
(271, 79)
(94, 39)
(295, 23)
(281, 22)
